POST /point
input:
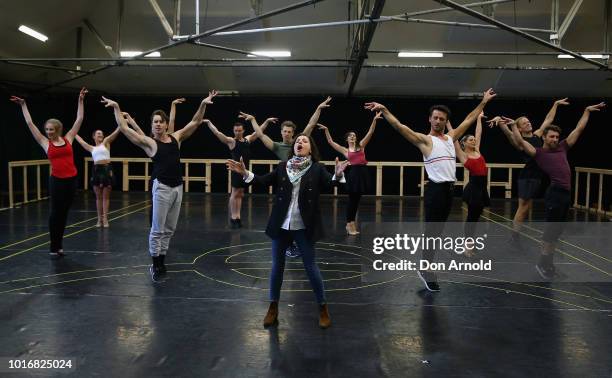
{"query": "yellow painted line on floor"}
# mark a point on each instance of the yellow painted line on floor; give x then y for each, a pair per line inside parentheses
(520, 293)
(556, 249)
(71, 234)
(71, 225)
(561, 240)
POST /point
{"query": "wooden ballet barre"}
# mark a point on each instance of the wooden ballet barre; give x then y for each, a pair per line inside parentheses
(25, 164)
(587, 203)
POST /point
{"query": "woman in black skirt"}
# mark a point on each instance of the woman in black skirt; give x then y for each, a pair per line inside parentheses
(102, 178)
(358, 179)
(475, 194)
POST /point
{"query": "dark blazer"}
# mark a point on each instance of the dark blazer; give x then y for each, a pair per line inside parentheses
(317, 179)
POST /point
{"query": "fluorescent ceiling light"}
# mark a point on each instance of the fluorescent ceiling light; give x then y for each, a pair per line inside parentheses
(588, 56)
(129, 54)
(271, 53)
(405, 54)
(33, 33)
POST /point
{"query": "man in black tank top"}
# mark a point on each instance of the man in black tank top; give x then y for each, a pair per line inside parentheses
(164, 150)
(531, 176)
(240, 147)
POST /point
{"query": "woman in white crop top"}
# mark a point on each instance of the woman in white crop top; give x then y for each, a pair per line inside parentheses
(102, 178)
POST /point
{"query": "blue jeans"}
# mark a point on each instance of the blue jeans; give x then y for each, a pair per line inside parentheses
(306, 246)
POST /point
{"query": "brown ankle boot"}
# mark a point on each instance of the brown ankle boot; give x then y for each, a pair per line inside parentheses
(272, 315)
(324, 319)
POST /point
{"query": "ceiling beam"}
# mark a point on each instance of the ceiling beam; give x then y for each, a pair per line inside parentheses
(360, 53)
(465, 24)
(193, 38)
(98, 37)
(513, 30)
(162, 18)
(448, 9)
(569, 18)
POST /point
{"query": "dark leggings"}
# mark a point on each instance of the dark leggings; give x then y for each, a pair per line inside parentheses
(353, 205)
(61, 193)
(473, 215)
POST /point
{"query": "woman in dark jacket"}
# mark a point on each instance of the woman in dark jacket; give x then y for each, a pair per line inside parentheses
(296, 216)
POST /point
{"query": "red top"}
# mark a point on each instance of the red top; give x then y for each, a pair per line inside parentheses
(357, 157)
(62, 160)
(477, 167)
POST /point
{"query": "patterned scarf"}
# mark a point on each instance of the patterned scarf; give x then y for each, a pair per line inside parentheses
(297, 167)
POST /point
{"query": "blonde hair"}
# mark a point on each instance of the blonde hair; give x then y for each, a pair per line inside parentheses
(57, 125)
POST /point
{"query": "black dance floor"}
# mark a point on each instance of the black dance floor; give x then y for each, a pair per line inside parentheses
(99, 308)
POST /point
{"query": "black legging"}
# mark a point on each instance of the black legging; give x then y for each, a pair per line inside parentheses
(61, 193)
(353, 206)
(473, 215)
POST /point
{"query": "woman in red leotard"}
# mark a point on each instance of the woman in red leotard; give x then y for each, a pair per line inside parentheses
(63, 178)
(358, 179)
(475, 194)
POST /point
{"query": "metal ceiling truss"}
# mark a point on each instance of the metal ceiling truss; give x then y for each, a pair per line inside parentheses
(362, 37)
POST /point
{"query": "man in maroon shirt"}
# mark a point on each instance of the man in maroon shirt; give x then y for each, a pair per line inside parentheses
(552, 159)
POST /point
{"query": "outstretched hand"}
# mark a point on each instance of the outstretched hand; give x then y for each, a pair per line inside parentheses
(596, 108)
(322, 127)
(82, 93)
(374, 107)
(340, 167)
(178, 101)
(378, 116)
(17, 100)
(325, 104)
(562, 101)
(488, 95)
(109, 103)
(211, 95)
(246, 116)
(271, 120)
(236, 166)
(481, 116)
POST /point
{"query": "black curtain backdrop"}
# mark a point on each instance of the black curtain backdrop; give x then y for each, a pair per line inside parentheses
(592, 150)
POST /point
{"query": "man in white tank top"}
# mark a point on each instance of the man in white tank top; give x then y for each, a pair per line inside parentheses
(439, 158)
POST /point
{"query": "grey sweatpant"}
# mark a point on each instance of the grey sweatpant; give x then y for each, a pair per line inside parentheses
(166, 209)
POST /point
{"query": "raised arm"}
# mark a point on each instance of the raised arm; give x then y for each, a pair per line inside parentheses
(147, 144)
(418, 139)
(79, 119)
(42, 140)
(550, 117)
(132, 122)
(222, 137)
(86, 146)
(197, 119)
(173, 114)
(522, 143)
(259, 130)
(334, 145)
(314, 119)
(111, 138)
(457, 133)
(254, 135)
(504, 124)
(478, 133)
(461, 155)
(366, 139)
(575, 134)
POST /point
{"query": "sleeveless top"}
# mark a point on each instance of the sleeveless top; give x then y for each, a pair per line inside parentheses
(357, 157)
(100, 153)
(242, 149)
(167, 163)
(531, 170)
(62, 160)
(440, 164)
(477, 166)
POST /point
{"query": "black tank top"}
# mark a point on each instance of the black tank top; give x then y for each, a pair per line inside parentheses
(167, 163)
(242, 149)
(531, 170)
